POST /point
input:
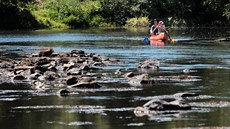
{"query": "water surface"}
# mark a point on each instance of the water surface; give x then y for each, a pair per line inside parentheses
(112, 105)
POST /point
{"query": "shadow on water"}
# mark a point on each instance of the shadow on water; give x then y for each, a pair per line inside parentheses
(200, 54)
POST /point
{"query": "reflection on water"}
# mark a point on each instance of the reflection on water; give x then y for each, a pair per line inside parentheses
(196, 53)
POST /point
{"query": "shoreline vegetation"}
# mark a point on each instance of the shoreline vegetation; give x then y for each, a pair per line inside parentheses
(74, 14)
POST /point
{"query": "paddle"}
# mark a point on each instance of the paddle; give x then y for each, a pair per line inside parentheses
(171, 40)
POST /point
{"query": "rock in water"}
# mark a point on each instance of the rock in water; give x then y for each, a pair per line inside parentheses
(45, 52)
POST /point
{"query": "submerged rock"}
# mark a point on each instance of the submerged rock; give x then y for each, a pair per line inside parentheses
(86, 85)
(167, 104)
(45, 52)
(149, 65)
(141, 80)
(186, 94)
(129, 75)
(63, 92)
(19, 77)
(162, 105)
(86, 82)
(77, 52)
(72, 80)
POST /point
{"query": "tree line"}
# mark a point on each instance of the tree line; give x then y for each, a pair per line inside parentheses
(35, 14)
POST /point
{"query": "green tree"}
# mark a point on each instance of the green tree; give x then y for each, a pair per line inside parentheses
(14, 15)
(118, 11)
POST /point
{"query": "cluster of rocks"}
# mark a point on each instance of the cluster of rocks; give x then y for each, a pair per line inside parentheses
(175, 102)
(47, 68)
(153, 65)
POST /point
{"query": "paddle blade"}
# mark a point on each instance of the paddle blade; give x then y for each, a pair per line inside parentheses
(171, 40)
(146, 40)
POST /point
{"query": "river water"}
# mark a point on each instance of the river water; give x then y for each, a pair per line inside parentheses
(203, 51)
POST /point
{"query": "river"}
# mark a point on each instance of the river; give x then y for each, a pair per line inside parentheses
(204, 51)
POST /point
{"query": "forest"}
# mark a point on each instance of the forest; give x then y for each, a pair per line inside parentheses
(38, 14)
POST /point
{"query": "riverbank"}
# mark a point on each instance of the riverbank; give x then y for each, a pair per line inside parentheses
(38, 14)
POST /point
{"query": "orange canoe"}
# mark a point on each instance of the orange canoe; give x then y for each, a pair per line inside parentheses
(161, 36)
(157, 43)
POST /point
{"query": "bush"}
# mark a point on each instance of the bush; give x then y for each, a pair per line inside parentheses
(74, 22)
(97, 20)
(43, 18)
(140, 22)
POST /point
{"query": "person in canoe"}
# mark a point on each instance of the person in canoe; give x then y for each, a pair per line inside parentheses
(159, 32)
(161, 27)
(154, 28)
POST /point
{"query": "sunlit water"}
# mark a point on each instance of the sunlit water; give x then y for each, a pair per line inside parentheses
(112, 105)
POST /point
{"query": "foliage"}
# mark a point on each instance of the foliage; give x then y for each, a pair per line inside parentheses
(43, 19)
(75, 13)
(227, 12)
(118, 11)
(15, 16)
(141, 21)
(32, 14)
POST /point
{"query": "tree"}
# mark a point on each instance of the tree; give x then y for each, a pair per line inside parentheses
(19, 18)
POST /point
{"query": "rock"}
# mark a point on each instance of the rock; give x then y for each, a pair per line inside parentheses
(41, 69)
(129, 75)
(75, 53)
(54, 54)
(86, 85)
(98, 64)
(52, 68)
(85, 82)
(63, 92)
(35, 55)
(186, 94)
(118, 71)
(6, 64)
(51, 76)
(34, 76)
(149, 65)
(40, 85)
(96, 59)
(189, 71)
(86, 79)
(23, 67)
(74, 72)
(19, 77)
(224, 39)
(45, 52)
(72, 81)
(68, 66)
(141, 80)
(167, 104)
(26, 62)
(87, 67)
(141, 111)
(42, 61)
(104, 58)
(63, 60)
